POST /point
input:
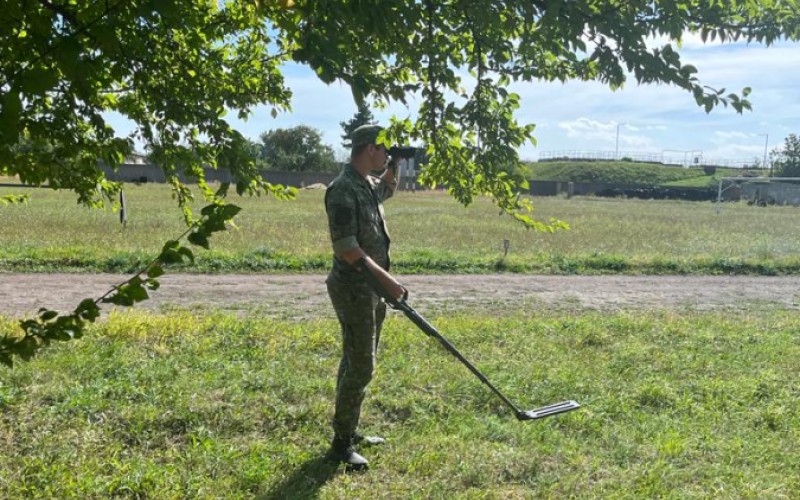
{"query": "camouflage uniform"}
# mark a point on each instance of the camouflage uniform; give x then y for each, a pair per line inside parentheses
(356, 219)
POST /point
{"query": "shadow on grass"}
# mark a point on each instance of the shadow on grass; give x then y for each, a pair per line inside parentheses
(305, 481)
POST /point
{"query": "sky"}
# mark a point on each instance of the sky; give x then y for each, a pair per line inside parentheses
(654, 121)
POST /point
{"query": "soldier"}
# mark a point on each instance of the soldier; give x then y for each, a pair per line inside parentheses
(353, 202)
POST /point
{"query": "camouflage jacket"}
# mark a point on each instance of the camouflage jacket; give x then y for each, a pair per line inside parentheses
(354, 205)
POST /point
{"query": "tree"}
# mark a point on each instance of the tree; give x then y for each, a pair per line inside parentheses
(387, 51)
(362, 117)
(786, 160)
(176, 67)
(297, 149)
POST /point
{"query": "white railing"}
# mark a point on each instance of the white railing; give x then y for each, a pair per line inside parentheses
(682, 158)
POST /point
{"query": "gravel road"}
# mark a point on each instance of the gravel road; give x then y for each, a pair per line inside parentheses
(304, 295)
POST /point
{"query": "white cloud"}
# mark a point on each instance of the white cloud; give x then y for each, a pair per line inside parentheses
(687, 41)
(721, 136)
(593, 134)
(585, 127)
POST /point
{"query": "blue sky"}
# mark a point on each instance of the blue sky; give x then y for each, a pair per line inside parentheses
(586, 116)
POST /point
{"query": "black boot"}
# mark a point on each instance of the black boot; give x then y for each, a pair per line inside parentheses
(367, 440)
(342, 451)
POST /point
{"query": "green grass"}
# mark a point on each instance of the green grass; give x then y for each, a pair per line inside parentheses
(430, 233)
(675, 404)
(649, 174)
(613, 172)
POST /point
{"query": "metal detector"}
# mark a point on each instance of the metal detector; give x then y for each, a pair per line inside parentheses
(428, 329)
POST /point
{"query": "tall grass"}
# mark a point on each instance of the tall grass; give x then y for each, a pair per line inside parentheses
(187, 405)
(430, 233)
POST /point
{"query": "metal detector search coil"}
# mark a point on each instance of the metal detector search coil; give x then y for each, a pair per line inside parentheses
(547, 411)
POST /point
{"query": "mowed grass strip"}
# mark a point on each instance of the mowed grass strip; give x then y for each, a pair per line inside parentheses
(430, 233)
(188, 405)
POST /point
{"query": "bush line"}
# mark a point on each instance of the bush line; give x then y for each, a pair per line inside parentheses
(546, 264)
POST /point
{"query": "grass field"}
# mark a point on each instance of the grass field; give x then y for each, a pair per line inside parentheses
(185, 405)
(650, 174)
(430, 231)
(189, 404)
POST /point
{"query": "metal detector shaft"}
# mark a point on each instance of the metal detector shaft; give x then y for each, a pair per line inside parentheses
(422, 323)
(429, 330)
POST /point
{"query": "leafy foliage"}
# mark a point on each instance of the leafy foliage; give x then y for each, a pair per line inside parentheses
(389, 50)
(173, 68)
(296, 149)
(176, 68)
(786, 160)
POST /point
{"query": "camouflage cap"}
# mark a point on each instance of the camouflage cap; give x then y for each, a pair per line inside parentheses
(365, 134)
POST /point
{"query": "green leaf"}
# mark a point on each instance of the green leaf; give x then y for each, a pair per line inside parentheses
(209, 210)
(120, 298)
(229, 211)
(38, 80)
(30, 326)
(169, 253)
(68, 55)
(138, 293)
(14, 199)
(106, 37)
(170, 257)
(10, 116)
(171, 245)
(213, 224)
(186, 253)
(155, 271)
(222, 192)
(199, 238)
(26, 348)
(88, 310)
(47, 315)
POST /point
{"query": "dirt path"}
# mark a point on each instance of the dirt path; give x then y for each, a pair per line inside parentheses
(304, 295)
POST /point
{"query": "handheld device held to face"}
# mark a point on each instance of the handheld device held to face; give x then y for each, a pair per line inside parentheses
(402, 152)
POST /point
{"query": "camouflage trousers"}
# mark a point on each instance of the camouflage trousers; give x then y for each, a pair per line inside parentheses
(361, 314)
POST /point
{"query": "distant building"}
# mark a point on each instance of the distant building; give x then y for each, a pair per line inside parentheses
(135, 159)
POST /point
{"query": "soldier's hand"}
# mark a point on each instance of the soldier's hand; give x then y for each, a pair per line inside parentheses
(397, 290)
